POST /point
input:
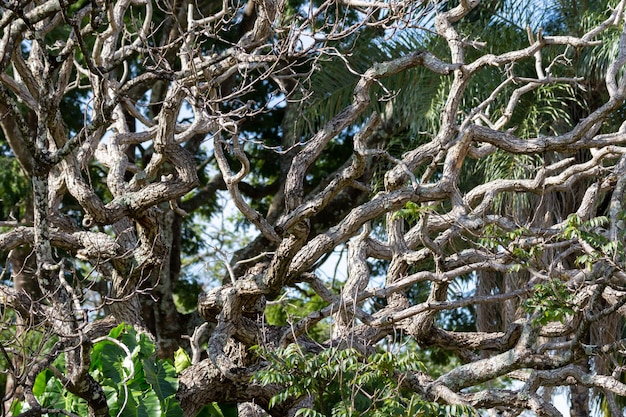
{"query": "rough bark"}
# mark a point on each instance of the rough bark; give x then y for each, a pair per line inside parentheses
(174, 92)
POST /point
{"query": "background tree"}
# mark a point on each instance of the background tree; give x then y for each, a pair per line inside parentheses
(466, 157)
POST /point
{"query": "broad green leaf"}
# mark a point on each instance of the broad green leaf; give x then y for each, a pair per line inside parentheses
(148, 404)
(161, 376)
(39, 387)
(111, 394)
(170, 408)
(145, 344)
(138, 382)
(127, 403)
(53, 395)
(139, 404)
(129, 338)
(229, 409)
(16, 407)
(117, 331)
(110, 359)
(181, 360)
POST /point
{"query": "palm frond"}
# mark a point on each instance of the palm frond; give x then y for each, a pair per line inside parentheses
(332, 87)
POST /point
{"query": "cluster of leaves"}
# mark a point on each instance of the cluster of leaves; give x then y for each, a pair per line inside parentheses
(35, 343)
(551, 301)
(296, 304)
(343, 382)
(412, 212)
(495, 238)
(594, 238)
(135, 382)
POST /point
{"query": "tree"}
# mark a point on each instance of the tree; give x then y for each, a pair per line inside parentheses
(469, 157)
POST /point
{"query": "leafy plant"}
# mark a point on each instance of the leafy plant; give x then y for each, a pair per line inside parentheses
(343, 382)
(412, 212)
(295, 304)
(550, 302)
(593, 238)
(136, 383)
(524, 254)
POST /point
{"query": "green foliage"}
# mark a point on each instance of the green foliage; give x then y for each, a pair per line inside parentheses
(409, 114)
(411, 212)
(34, 343)
(502, 165)
(297, 305)
(14, 188)
(192, 240)
(186, 291)
(135, 382)
(525, 254)
(343, 382)
(551, 301)
(181, 360)
(594, 239)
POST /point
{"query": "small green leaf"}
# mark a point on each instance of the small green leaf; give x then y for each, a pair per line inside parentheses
(210, 410)
(307, 412)
(117, 331)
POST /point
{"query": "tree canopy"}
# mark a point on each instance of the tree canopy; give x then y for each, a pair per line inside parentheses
(339, 207)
